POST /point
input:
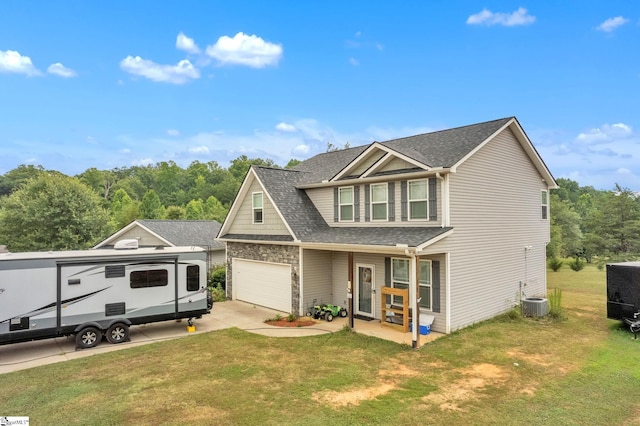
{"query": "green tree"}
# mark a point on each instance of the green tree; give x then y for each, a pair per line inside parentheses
(566, 236)
(12, 180)
(239, 167)
(100, 181)
(52, 212)
(174, 213)
(123, 209)
(151, 207)
(194, 210)
(292, 163)
(213, 209)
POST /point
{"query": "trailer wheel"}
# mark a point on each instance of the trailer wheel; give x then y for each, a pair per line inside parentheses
(88, 337)
(118, 333)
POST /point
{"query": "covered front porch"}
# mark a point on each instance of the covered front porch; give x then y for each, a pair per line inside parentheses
(380, 288)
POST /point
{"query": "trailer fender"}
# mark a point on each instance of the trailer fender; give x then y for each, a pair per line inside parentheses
(120, 320)
(88, 324)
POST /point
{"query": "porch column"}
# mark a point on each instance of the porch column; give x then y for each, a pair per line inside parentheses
(414, 293)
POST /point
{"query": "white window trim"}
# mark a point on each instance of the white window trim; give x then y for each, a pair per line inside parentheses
(385, 202)
(408, 283)
(254, 208)
(430, 286)
(409, 200)
(545, 205)
(352, 204)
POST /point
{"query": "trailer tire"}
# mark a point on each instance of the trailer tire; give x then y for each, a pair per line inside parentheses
(88, 337)
(117, 333)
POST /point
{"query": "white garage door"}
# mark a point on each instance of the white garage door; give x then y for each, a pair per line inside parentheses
(262, 283)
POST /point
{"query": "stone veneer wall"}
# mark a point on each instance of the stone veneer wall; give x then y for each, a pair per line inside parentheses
(268, 253)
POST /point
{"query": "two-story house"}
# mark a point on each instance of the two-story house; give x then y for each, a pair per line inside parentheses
(459, 217)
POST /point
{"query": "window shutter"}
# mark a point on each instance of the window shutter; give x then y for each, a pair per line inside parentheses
(356, 204)
(335, 204)
(403, 201)
(435, 285)
(391, 201)
(387, 271)
(433, 199)
(367, 203)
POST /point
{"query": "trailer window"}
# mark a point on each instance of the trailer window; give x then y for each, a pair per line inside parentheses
(152, 278)
(193, 278)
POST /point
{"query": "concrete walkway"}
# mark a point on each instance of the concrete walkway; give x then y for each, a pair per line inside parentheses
(20, 356)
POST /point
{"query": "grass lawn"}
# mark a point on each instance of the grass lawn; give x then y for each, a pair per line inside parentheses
(584, 370)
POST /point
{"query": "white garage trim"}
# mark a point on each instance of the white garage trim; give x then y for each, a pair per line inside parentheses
(262, 283)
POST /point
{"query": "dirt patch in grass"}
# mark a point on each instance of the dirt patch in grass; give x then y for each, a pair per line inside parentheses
(536, 359)
(476, 378)
(388, 380)
(284, 322)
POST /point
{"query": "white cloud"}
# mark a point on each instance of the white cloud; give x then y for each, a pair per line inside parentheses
(488, 18)
(242, 49)
(92, 140)
(181, 73)
(60, 70)
(611, 24)
(302, 150)
(605, 133)
(286, 127)
(199, 150)
(354, 62)
(187, 44)
(173, 132)
(12, 61)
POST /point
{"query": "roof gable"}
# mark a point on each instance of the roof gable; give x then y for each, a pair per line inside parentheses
(201, 233)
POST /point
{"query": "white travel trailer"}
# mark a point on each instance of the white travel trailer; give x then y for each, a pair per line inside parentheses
(91, 293)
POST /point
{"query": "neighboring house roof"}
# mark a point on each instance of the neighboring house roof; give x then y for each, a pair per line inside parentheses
(200, 233)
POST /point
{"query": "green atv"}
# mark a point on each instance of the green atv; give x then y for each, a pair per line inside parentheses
(329, 311)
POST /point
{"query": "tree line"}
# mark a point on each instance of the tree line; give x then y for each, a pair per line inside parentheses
(47, 210)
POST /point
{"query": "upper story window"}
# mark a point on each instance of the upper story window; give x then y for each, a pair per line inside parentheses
(257, 207)
(345, 202)
(418, 200)
(544, 202)
(379, 201)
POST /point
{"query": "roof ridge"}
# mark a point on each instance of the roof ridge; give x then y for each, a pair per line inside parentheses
(446, 130)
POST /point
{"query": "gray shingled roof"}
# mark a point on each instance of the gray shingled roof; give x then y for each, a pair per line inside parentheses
(200, 233)
(436, 149)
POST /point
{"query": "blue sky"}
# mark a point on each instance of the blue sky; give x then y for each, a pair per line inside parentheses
(115, 84)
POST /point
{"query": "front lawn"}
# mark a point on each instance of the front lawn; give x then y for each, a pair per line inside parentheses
(585, 370)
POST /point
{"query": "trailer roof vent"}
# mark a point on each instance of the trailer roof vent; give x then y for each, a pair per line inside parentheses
(535, 307)
(126, 244)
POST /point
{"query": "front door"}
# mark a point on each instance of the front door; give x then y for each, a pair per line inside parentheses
(365, 289)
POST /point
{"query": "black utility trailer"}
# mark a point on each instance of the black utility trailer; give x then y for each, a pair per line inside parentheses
(623, 293)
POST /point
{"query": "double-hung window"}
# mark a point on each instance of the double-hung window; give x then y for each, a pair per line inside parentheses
(544, 202)
(379, 201)
(418, 200)
(400, 279)
(345, 202)
(257, 207)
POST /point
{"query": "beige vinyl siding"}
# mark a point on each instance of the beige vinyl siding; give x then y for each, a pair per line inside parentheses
(495, 212)
(217, 257)
(396, 164)
(243, 221)
(340, 276)
(144, 238)
(322, 198)
(317, 278)
(364, 164)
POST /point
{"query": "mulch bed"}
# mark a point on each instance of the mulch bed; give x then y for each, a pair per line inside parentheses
(302, 322)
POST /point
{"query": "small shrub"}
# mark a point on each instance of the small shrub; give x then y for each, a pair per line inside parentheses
(217, 277)
(556, 312)
(514, 314)
(278, 317)
(218, 294)
(555, 264)
(291, 318)
(577, 264)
